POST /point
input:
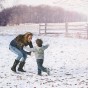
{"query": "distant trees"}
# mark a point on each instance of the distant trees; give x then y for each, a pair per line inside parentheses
(38, 14)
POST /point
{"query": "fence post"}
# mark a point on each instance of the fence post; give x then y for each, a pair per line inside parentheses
(39, 28)
(66, 28)
(87, 30)
(45, 27)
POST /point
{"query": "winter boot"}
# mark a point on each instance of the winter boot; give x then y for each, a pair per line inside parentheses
(13, 68)
(21, 66)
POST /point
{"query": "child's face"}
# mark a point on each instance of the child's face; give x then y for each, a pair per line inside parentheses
(29, 38)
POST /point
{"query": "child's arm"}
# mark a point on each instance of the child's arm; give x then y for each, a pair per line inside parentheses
(28, 49)
(45, 46)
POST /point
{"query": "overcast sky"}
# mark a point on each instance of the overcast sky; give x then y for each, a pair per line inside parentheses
(76, 5)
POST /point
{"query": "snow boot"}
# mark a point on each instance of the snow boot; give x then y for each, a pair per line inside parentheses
(13, 68)
(21, 66)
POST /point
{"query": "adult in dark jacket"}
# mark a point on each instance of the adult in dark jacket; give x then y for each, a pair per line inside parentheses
(16, 46)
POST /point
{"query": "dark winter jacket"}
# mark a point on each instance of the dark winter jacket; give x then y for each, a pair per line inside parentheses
(16, 44)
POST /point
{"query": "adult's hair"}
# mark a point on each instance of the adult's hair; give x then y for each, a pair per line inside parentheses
(23, 39)
(26, 35)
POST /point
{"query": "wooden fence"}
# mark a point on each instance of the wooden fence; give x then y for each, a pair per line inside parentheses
(76, 28)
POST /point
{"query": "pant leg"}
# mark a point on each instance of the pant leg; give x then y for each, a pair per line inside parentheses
(24, 56)
(40, 65)
(39, 71)
(17, 52)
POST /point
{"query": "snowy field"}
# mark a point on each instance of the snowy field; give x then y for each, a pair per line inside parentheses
(67, 59)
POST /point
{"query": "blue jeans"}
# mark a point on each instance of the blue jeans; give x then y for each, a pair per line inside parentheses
(22, 55)
(40, 66)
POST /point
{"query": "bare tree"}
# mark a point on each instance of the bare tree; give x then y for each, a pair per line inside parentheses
(1, 4)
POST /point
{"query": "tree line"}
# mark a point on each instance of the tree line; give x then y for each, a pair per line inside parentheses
(38, 14)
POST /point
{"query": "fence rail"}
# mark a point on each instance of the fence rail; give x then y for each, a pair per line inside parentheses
(65, 28)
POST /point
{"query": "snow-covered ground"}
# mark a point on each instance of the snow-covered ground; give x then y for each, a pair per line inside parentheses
(67, 59)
